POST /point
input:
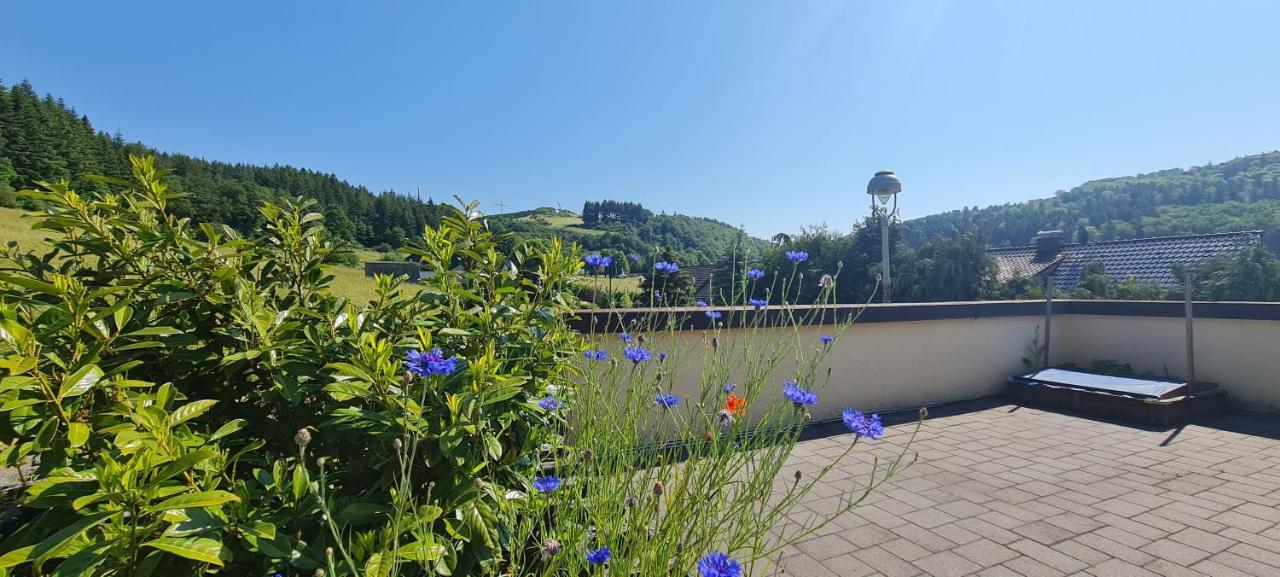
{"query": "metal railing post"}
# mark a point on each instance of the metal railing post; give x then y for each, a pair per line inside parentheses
(1191, 337)
(1048, 314)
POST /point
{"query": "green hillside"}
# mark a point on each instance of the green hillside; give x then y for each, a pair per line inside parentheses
(692, 240)
(1240, 194)
(45, 139)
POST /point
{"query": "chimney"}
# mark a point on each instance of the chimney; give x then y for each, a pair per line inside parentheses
(1048, 243)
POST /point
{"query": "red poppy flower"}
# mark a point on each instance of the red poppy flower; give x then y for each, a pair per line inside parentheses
(736, 405)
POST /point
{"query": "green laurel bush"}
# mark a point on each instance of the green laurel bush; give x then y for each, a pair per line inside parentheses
(192, 401)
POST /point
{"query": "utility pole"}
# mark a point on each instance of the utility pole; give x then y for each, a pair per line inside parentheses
(501, 207)
(884, 253)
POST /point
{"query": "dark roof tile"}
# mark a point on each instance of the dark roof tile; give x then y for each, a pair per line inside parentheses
(1146, 260)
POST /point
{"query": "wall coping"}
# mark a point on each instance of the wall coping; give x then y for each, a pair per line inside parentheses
(693, 318)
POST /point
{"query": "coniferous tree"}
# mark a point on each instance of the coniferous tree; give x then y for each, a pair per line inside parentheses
(44, 139)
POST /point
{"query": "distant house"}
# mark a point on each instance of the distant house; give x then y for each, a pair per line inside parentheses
(1145, 260)
(702, 276)
(405, 268)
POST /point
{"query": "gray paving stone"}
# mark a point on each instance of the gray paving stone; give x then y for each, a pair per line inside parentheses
(986, 552)
(1118, 568)
(1032, 493)
(947, 564)
(1170, 550)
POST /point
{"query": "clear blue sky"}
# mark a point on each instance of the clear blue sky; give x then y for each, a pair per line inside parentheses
(770, 115)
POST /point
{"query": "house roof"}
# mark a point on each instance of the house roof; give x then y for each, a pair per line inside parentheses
(1146, 260)
(702, 276)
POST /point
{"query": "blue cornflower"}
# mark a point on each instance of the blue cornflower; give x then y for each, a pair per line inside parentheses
(597, 261)
(826, 339)
(432, 362)
(596, 355)
(713, 315)
(599, 556)
(667, 267)
(550, 403)
(701, 303)
(717, 564)
(666, 401)
(662, 357)
(546, 484)
(797, 394)
(729, 388)
(636, 354)
(625, 336)
(797, 256)
(634, 258)
(861, 424)
(758, 303)
(755, 274)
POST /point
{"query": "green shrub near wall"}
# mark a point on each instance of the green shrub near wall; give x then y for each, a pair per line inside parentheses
(194, 400)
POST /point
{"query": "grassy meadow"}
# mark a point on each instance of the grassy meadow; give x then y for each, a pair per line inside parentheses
(562, 221)
(348, 281)
(16, 226)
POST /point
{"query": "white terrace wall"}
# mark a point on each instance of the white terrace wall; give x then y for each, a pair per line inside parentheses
(945, 352)
(1241, 355)
(873, 366)
(899, 365)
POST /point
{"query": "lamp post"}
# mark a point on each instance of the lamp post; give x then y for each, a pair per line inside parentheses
(884, 186)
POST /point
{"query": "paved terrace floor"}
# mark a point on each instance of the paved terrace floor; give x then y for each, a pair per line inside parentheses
(1001, 490)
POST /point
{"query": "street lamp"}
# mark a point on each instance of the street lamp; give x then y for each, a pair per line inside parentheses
(884, 186)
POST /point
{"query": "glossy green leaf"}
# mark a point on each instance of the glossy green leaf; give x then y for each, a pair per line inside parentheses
(154, 332)
(363, 513)
(192, 522)
(343, 390)
(190, 500)
(377, 566)
(299, 482)
(30, 283)
(351, 371)
(17, 556)
(190, 411)
(423, 551)
(77, 434)
(53, 545)
(229, 428)
(202, 549)
(429, 513)
(84, 561)
(80, 381)
(184, 463)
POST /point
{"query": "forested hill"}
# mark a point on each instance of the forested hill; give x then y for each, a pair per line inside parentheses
(44, 139)
(623, 229)
(1241, 194)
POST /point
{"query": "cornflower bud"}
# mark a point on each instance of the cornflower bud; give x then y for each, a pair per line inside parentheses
(302, 438)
